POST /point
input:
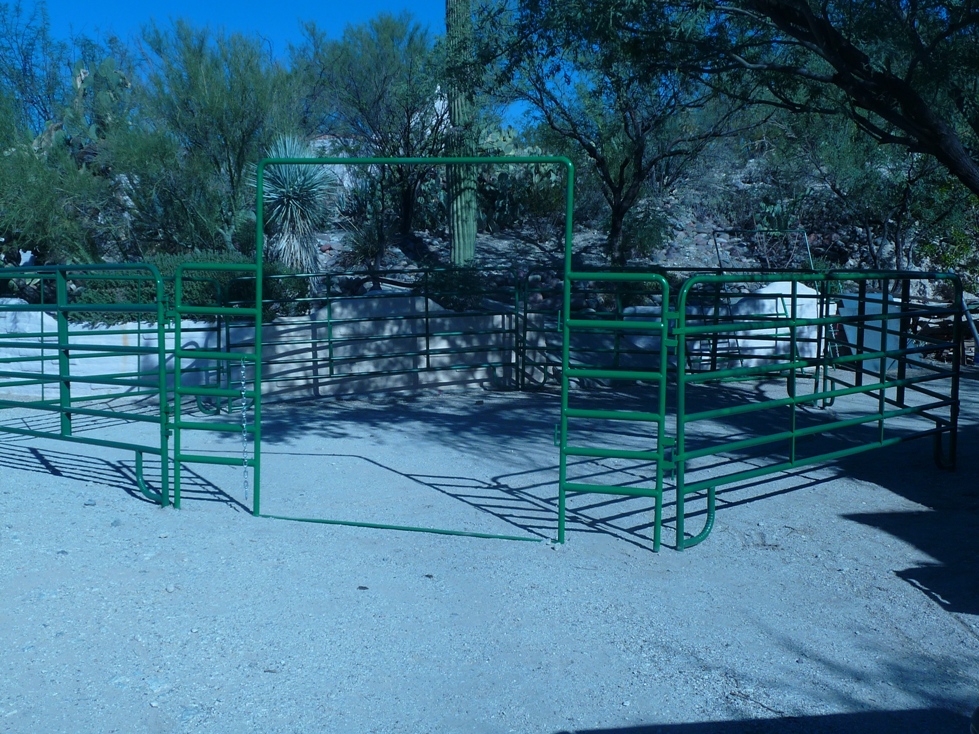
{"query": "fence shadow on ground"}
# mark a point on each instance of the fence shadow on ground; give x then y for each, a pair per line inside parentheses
(118, 475)
(526, 500)
(919, 721)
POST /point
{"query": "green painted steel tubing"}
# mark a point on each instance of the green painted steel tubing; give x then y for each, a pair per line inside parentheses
(615, 374)
(22, 341)
(880, 416)
(76, 410)
(600, 453)
(107, 308)
(216, 356)
(807, 399)
(782, 323)
(808, 461)
(122, 445)
(214, 460)
(615, 415)
(613, 489)
(406, 371)
(216, 392)
(241, 311)
(743, 372)
(405, 528)
(157, 497)
(209, 426)
(119, 380)
(66, 404)
(616, 277)
(603, 324)
(684, 542)
(106, 350)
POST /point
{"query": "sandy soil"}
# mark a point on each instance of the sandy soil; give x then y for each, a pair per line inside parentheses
(843, 598)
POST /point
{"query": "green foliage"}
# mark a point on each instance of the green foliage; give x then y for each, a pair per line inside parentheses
(645, 229)
(297, 199)
(367, 224)
(221, 98)
(49, 206)
(33, 66)
(282, 293)
(376, 91)
(520, 196)
(638, 131)
(904, 73)
(457, 289)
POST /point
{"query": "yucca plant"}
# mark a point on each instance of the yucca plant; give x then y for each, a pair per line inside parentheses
(298, 199)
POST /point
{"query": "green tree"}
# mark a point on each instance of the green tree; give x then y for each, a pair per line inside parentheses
(638, 131)
(221, 98)
(49, 206)
(34, 66)
(900, 201)
(376, 92)
(59, 196)
(904, 72)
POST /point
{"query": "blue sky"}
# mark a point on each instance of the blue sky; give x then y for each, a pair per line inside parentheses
(277, 22)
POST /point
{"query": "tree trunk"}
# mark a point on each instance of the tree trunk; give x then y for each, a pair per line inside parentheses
(461, 140)
(407, 193)
(618, 253)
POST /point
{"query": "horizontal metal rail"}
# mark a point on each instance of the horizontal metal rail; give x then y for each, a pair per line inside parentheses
(872, 378)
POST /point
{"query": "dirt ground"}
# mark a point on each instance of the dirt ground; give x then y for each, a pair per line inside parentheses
(841, 598)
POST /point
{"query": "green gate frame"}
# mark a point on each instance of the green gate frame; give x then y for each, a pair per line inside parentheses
(673, 328)
(660, 453)
(149, 383)
(256, 392)
(872, 383)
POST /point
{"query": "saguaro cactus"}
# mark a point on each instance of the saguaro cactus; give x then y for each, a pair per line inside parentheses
(461, 140)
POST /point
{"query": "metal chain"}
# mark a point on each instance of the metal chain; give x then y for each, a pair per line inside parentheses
(244, 435)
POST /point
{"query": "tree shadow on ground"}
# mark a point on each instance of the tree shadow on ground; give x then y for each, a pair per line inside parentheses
(947, 526)
(922, 721)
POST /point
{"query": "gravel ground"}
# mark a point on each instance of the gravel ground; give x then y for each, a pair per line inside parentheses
(838, 599)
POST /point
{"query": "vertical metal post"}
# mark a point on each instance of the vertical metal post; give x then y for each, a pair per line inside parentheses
(905, 327)
(793, 356)
(959, 349)
(44, 341)
(177, 379)
(883, 324)
(64, 358)
(259, 260)
(679, 464)
(426, 295)
(861, 312)
(161, 381)
(329, 332)
(565, 350)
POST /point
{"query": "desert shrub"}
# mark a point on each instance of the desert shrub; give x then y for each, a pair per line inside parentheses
(458, 289)
(282, 293)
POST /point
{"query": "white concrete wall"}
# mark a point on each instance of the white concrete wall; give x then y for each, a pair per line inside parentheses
(296, 351)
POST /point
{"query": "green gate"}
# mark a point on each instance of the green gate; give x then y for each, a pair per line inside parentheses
(808, 368)
(773, 371)
(619, 445)
(237, 369)
(255, 358)
(72, 379)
